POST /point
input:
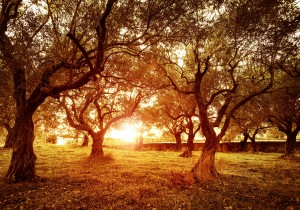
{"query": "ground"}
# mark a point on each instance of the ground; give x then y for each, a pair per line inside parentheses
(127, 179)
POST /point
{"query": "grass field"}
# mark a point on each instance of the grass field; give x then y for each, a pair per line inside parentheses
(127, 179)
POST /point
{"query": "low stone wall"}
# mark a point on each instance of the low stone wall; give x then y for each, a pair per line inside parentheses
(261, 146)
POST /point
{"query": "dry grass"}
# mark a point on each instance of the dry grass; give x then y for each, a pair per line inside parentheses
(127, 179)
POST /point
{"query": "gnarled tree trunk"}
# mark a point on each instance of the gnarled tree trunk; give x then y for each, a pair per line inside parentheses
(178, 141)
(22, 165)
(253, 144)
(244, 141)
(290, 144)
(204, 169)
(290, 137)
(190, 142)
(97, 147)
(188, 151)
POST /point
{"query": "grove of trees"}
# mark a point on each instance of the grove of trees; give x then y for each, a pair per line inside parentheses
(211, 64)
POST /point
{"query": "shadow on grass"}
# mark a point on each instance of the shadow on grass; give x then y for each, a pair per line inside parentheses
(103, 159)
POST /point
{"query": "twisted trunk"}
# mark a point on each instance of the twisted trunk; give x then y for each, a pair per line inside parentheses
(244, 141)
(22, 165)
(188, 151)
(205, 169)
(290, 143)
(190, 142)
(97, 146)
(178, 141)
(253, 144)
(290, 137)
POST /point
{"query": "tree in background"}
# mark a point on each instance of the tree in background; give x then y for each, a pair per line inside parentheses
(46, 122)
(283, 109)
(176, 128)
(249, 121)
(96, 107)
(142, 126)
(157, 116)
(181, 113)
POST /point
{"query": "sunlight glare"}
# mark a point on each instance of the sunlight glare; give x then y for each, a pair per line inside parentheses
(180, 55)
(127, 133)
(61, 141)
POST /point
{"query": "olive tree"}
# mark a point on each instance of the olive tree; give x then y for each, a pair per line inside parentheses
(283, 110)
(96, 108)
(250, 120)
(182, 110)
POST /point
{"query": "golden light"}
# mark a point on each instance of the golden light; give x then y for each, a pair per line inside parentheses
(180, 56)
(61, 141)
(126, 133)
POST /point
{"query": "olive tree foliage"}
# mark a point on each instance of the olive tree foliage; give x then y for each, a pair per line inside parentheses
(231, 55)
(54, 46)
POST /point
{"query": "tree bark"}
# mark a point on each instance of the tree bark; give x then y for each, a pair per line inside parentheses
(188, 152)
(97, 147)
(85, 142)
(178, 141)
(253, 144)
(290, 144)
(190, 142)
(244, 141)
(9, 140)
(290, 137)
(204, 169)
(22, 165)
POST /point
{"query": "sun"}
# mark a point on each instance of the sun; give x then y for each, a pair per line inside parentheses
(126, 133)
(61, 141)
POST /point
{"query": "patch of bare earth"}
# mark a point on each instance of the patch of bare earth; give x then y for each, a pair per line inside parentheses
(126, 179)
